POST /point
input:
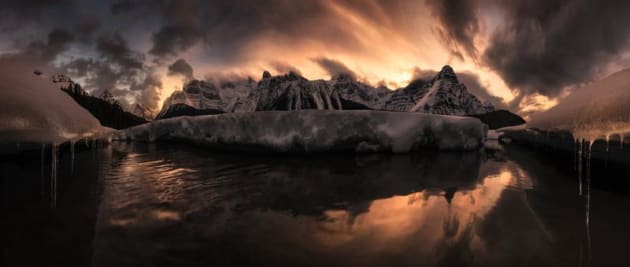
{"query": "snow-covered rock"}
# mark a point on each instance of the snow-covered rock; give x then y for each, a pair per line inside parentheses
(317, 131)
(350, 89)
(443, 94)
(232, 96)
(294, 92)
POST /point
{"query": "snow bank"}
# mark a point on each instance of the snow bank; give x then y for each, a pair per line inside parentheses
(32, 109)
(595, 111)
(317, 131)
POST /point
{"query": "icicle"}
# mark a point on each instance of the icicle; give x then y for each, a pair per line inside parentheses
(53, 176)
(588, 205)
(580, 149)
(621, 140)
(42, 189)
(575, 154)
(43, 158)
(607, 142)
(71, 156)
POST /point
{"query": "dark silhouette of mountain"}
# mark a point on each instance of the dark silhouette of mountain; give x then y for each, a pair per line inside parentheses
(179, 109)
(499, 119)
(108, 113)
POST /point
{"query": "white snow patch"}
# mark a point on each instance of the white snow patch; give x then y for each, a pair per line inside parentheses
(427, 97)
(32, 109)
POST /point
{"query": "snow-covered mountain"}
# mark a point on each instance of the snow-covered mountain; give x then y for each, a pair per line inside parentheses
(443, 94)
(294, 92)
(233, 96)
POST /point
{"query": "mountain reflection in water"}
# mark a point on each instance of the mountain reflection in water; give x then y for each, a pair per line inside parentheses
(178, 206)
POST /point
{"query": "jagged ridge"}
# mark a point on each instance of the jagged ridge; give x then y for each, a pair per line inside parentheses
(443, 94)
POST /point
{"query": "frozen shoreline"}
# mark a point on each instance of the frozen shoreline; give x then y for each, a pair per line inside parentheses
(316, 131)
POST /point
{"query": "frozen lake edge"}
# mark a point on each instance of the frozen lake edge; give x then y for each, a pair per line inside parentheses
(316, 131)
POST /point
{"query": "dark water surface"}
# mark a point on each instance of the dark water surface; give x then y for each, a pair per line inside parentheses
(169, 205)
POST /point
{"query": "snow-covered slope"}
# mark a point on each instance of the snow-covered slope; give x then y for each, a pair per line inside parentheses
(350, 89)
(317, 131)
(441, 95)
(32, 109)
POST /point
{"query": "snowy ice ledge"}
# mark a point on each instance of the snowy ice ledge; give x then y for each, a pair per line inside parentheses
(317, 131)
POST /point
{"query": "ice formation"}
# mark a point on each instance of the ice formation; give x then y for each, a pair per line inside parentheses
(317, 131)
(32, 109)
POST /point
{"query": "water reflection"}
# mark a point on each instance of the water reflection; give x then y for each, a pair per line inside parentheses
(374, 210)
(147, 205)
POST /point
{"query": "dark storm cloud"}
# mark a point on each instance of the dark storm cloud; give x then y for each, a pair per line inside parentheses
(459, 22)
(181, 67)
(58, 40)
(334, 67)
(547, 45)
(472, 82)
(115, 49)
(28, 16)
(31, 9)
(38, 54)
(181, 30)
(124, 6)
(227, 28)
(86, 27)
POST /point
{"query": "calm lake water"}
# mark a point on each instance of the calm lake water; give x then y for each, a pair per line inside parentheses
(171, 205)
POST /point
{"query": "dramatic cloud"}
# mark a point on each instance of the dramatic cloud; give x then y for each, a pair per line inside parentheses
(181, 67)
(334, 67)
(114, 48)
(459, 24)
(544, 46)
(181, 29)
(18, 11)
(150, 88)
(118, 70)
(525, 50)
(58, 39)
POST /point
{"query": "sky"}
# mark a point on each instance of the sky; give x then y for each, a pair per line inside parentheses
(522, 55)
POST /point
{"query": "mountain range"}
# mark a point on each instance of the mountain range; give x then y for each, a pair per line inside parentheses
(443, 94)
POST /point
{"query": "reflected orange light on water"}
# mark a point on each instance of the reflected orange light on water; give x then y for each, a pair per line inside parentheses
(390, 223)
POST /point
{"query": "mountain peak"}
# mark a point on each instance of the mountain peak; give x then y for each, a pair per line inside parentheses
(292, 75)
(447, 73)
(266, 75)
(343, 77)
